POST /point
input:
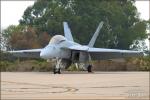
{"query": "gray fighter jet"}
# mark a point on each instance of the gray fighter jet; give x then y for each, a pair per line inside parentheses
(65, 51)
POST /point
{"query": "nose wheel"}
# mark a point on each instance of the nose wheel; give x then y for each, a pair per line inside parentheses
(57, 67)
(56, 70)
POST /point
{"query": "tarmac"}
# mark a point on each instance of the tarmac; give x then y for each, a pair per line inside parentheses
(75, 85)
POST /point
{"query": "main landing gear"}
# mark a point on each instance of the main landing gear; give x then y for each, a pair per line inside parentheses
(85, 67)
(89, 68)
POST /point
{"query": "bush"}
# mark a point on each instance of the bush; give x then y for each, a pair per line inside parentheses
(5, 56)
(142, 63)
(7, 66)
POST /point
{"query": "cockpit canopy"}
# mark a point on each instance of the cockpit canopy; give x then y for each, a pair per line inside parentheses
(57, 39)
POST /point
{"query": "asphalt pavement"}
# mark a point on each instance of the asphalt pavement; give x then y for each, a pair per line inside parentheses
(75, 85)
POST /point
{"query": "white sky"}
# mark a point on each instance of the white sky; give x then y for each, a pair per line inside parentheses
(12, 11)
(144, 8)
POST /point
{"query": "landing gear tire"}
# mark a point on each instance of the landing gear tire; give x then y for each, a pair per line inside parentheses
(56, 71)
(89, 68)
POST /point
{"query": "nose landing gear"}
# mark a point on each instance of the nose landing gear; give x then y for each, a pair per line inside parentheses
(56, 70)
(57, 67)
(61, 64)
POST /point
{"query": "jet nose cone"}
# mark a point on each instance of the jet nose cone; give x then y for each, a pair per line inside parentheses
(47, 52)
(43, 54)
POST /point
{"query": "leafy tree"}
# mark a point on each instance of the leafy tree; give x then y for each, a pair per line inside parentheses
(24, 37)
(7, 33)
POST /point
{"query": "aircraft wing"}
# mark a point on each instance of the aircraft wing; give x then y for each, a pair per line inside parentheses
(101, 53)
(32, 53)
(104, 54)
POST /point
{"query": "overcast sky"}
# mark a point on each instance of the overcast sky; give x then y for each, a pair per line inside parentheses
(12, 11)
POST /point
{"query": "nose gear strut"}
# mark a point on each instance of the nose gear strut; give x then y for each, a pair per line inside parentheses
(57, 67)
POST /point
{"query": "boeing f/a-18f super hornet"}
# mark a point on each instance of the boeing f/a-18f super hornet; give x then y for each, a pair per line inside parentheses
(66, 51)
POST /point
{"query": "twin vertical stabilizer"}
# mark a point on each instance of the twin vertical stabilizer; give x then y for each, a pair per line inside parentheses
(92, 41)
(68, 34)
